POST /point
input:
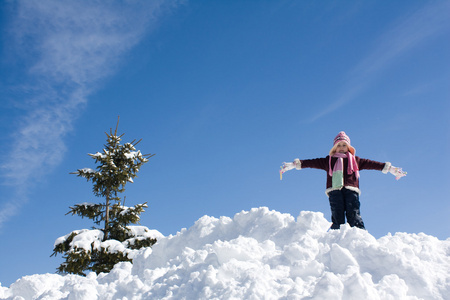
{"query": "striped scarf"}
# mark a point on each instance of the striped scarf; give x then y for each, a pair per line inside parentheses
(337, 173)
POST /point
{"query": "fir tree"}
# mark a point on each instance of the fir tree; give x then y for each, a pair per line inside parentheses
(99, 249)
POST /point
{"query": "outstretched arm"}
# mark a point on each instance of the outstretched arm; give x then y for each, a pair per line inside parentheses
(317, 163)
(387, 167)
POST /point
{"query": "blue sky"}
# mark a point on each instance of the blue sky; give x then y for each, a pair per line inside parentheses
(223, 92)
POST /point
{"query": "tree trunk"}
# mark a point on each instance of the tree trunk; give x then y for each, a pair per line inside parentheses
(105, 235)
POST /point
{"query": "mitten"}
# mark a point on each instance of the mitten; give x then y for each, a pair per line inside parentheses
(289, 166)
(397, 172)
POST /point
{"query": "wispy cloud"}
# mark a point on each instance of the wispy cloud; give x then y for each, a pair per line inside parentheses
(409, 32)
(68, 48)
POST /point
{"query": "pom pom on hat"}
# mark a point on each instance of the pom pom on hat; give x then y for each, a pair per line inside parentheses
(342, 137)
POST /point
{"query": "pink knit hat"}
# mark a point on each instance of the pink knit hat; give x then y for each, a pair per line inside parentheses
(342, 137)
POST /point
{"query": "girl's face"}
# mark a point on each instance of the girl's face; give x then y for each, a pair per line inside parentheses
(341, 147)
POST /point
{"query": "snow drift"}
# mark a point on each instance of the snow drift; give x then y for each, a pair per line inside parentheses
(263, 254)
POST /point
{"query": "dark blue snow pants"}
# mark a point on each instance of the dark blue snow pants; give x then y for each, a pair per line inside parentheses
(345, 203)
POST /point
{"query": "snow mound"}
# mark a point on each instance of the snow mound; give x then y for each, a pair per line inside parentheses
(263, 254)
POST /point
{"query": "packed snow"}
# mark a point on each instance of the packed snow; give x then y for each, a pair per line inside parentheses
(263, 254)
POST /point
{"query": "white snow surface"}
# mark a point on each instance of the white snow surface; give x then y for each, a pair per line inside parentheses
(263, 254)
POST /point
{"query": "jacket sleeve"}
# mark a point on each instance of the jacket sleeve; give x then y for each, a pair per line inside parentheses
(367, 164)
(316, 163)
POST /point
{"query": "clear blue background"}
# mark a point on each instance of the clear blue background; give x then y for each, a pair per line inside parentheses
(223, 92)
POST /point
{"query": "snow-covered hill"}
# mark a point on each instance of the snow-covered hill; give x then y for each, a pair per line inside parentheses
(263, 254)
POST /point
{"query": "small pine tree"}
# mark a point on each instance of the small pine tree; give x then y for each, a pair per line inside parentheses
(98, 250)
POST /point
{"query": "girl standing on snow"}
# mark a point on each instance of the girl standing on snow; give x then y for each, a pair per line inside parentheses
(342, 167)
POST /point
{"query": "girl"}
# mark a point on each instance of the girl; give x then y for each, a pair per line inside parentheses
(342, 167)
